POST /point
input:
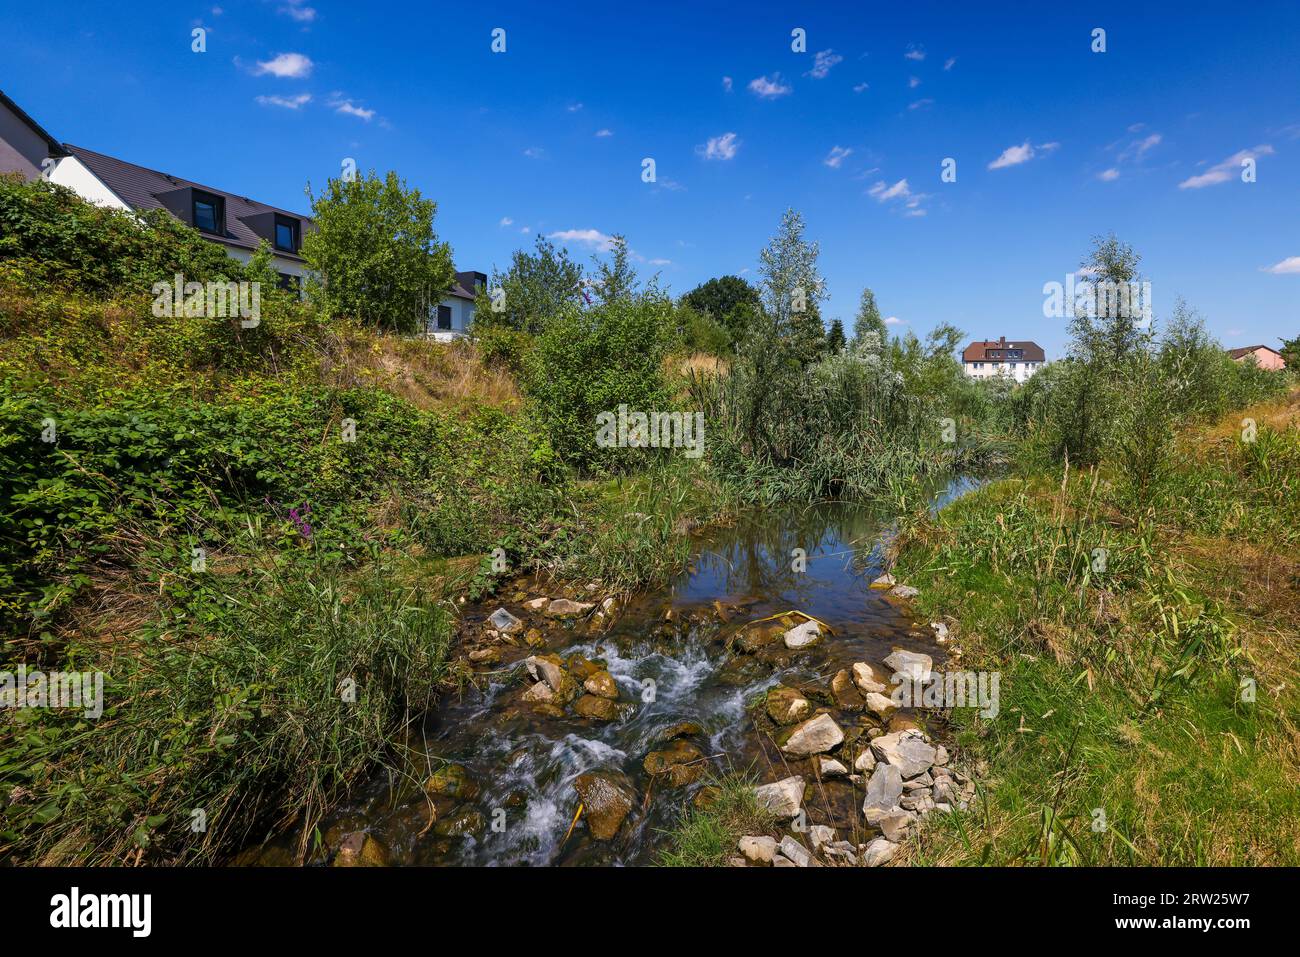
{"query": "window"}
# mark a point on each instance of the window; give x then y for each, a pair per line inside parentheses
(288, 282)
(286, 234)
(444, 317)
(209, 213)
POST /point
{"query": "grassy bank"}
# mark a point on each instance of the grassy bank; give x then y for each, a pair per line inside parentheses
(1149, 691)
(259, 536)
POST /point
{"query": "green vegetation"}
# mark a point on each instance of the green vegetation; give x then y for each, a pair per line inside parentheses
(1135, 584)
(707, 833)
(374, 255)
(239, 526)
(260, 534)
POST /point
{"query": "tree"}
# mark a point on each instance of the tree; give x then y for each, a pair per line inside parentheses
(1116, 330)
(616, 279)
(729, 300)
(1291, 352)
(374, 252)
(792, 289)
(835, 338)
(868, 322)
(535, 288)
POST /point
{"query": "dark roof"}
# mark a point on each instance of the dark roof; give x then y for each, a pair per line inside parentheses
(979, 351)
(141, 188)
(56, 148)
(463, 287)
(1247, 350)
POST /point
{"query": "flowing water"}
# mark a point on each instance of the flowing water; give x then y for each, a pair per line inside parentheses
(519, 801)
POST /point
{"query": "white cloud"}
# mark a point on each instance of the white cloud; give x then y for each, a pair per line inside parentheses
(506, 221)
(1108, 175)
(1138, 148)
(534, 152)
(574, 107)
(823, 60)
(883, 193)
(661, 262)
(603, 133)
(901, 191)
(593, 238)
(768, 89)
(913, 82)
(1288, 266)
(288, 102)
(346, 107)
(525, 229)
(1015, 155)
(726, 84)
(286, 65)
(298, 10)
(920, 104)
(837, 156)
(720, 147)
(949, 63)
(1222, 172)
(861, 87)
(894, 321)
(914, 52)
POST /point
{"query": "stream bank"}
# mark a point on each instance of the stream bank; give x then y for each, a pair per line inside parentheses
(771, 655)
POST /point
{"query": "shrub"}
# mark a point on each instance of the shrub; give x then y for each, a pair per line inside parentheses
(50, 236)
(591, 361)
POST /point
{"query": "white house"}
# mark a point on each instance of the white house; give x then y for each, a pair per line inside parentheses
(451, 318)
(1017, 359)
(235, 222)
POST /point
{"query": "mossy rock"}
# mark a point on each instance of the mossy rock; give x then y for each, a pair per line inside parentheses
(452, 780)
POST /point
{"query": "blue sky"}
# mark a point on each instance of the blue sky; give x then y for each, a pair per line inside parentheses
(1053, 143)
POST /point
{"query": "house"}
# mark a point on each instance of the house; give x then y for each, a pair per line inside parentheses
(1017, 359)
(25, 147)
(237, 223)
(451, 318)
(1265, 356)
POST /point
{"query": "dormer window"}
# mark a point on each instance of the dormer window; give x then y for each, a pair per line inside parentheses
(286, 234)
(209, 213)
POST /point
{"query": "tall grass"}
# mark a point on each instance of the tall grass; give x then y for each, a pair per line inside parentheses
(707, 834)
(846, 426)
(245, 700)
(1148, 704)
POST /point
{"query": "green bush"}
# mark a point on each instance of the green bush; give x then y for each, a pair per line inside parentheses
(171, 461)
(589, 361)
(50, 236)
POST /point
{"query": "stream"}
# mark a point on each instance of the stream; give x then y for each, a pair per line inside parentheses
(511, 797)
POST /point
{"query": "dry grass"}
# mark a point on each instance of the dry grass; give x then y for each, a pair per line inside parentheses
(1280, 413)
(425, 373)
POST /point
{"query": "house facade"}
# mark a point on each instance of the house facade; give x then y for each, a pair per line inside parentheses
(235, 222)
(1265, 356)
(1017, 359)
(450, 319)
